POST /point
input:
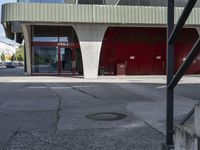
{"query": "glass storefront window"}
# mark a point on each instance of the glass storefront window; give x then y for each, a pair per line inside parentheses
(54, 34)
(97, 2)
(41, 1)
(53, 50)
(63, 39)
(45, 39)
(44, 59)
(66, 59)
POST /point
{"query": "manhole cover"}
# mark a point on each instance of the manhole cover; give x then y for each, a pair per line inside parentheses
(106, 116)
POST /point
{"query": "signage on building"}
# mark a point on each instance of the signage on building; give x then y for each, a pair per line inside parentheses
(158, 57)
(132, 57)
(62, 44)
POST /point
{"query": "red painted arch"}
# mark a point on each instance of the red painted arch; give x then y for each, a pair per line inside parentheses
(143, 50)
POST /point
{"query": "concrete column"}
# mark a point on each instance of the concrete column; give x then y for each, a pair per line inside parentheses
(90, 38)
(197, 120)
(27, 39)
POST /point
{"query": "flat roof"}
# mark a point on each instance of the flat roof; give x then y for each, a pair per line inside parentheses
(106, 14)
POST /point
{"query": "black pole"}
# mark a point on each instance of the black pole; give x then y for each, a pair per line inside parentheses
(170, 68)
(25, 64)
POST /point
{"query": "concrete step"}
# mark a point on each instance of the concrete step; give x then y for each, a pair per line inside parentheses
(187, 136)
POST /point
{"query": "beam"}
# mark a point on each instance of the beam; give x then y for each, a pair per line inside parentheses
(181, 71)
(185, 14)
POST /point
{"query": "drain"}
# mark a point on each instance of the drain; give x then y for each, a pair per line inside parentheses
(106, 116)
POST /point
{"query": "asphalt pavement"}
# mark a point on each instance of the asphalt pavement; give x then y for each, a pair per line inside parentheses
(44, 113)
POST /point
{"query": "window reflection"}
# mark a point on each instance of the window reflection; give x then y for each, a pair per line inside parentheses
(66, 59)
(44, 59)
(63, 39)
(45, 39)
(54, 34)
(42, 1)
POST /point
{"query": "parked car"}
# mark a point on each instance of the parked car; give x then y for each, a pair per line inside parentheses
(10, 65)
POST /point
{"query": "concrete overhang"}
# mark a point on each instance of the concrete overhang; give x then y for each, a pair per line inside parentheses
(104, 14)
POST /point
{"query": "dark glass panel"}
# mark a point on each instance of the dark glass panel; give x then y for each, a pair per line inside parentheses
(128, 2)
(90, 2)
(45, 31)
(79, 63)
(54, 34)
(66, 59)
(45, 34)
(67, 34)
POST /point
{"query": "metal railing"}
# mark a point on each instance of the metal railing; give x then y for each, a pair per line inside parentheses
(172, 80)
(187, 117)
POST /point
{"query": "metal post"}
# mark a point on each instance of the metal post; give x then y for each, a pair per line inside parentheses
(170, 69)
(171, 79)
(25, 63)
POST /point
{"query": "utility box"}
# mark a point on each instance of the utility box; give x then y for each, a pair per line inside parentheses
(121, 69)
(101, 70)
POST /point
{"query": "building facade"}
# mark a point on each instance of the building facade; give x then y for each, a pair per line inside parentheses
(98, 37)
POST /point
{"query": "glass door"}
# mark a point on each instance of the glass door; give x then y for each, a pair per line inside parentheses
(65, 60)
(44, 60)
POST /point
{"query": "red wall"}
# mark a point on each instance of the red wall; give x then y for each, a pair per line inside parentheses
(143, 50)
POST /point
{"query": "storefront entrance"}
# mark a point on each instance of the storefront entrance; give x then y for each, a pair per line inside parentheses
(65, 60)
(56, 60)
(55, 51)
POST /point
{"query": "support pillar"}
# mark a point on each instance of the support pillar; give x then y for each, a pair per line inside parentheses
(27, 39)
(170, 73)
(90, 38)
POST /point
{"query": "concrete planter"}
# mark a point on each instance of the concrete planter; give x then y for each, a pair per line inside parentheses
(197, 120)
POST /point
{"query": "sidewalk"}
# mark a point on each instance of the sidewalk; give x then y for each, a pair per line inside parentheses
(161, 79)
(44, 113)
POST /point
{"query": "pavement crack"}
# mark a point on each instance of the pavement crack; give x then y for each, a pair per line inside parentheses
(84, 92)
(58, 108)
(149, 124)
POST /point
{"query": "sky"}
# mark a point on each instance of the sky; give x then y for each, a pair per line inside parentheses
(2, 33)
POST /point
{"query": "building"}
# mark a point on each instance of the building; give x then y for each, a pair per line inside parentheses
(98, 37)
(7, 50)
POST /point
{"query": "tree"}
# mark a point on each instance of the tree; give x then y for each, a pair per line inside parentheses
(3, 57)
(13, 57)
(19, 54)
